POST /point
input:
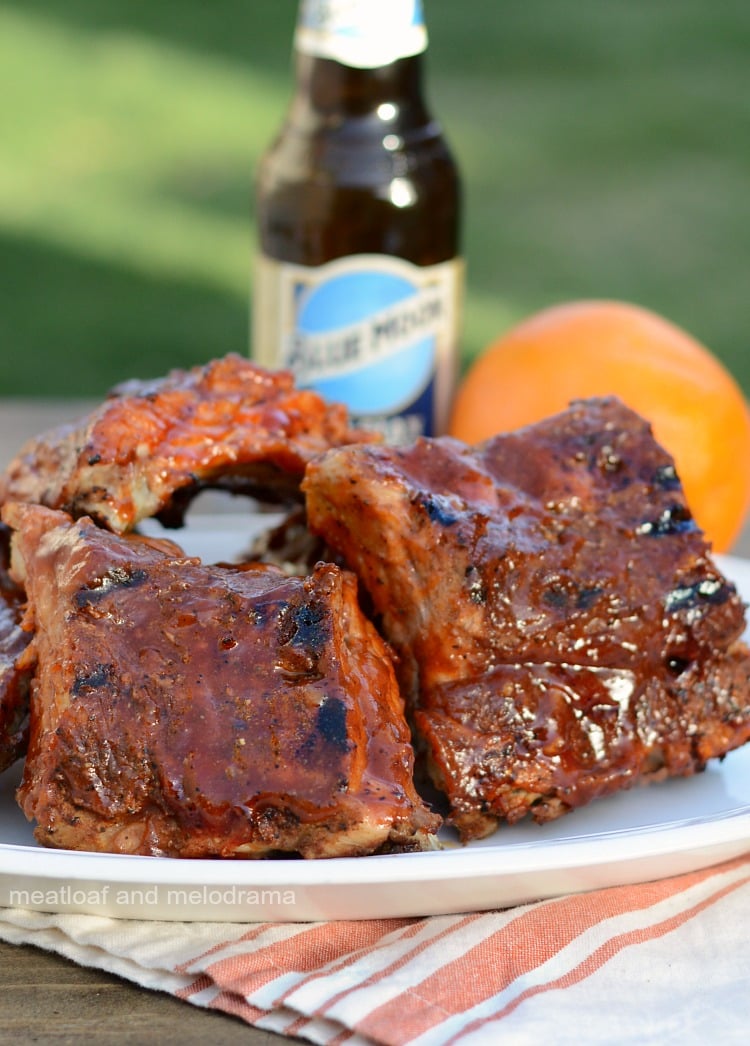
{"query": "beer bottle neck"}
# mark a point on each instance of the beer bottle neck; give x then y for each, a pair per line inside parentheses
(329, 88)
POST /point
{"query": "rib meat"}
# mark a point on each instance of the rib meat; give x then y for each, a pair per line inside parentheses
(151, 446)
(189, 710)
(561, 627)
(14, 673)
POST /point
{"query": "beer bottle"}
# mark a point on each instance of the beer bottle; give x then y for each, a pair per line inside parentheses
(359, 278)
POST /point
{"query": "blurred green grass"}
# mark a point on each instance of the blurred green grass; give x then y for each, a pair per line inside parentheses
(604, 150)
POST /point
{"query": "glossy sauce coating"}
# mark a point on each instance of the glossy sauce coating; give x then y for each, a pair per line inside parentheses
(189, 710)
(151, 446)
(561, 626)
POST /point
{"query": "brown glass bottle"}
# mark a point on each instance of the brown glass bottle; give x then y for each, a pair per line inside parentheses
(359, 279)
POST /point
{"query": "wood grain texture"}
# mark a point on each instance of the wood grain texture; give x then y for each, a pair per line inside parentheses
(49, 999)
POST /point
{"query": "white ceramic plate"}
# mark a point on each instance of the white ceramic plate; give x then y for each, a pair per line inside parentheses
(648, 833)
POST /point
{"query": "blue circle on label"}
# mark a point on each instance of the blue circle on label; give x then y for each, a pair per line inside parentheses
(376, 385)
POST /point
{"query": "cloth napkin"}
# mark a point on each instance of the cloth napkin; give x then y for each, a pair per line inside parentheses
(666, 961)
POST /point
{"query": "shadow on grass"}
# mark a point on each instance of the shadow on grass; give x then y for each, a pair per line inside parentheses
(79, 326)
(249, 30)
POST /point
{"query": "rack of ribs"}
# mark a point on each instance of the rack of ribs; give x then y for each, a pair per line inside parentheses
(150, 447)
(561, 628)
(188, 710)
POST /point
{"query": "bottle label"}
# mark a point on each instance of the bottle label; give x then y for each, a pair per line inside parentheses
(371, 331)
(361, 33)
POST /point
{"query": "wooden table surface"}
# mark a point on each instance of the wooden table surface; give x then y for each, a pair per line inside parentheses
(47, 999)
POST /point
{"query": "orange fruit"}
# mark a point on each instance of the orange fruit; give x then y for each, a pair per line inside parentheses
(597, 348)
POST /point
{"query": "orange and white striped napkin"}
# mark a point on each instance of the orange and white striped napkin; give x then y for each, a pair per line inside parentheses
(666, 962)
